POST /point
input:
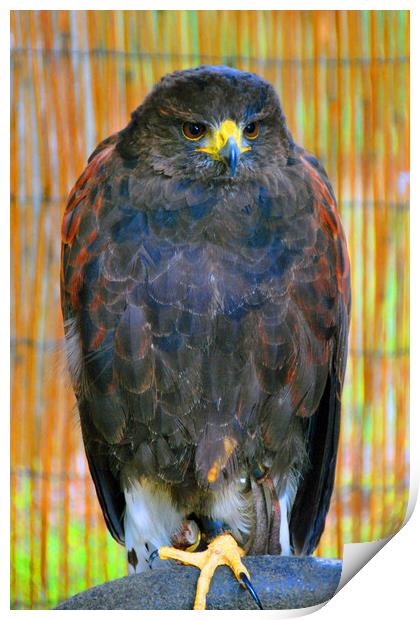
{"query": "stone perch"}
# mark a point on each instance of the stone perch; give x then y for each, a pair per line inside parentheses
(281, 583)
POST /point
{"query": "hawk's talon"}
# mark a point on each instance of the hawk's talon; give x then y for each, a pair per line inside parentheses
(222, 550)
(248, 585)
(153, 556)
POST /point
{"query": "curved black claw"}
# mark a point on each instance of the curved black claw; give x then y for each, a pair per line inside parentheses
(153, 556)
(248, 585)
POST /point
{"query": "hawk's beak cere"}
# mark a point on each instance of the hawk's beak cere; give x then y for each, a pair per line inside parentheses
(225, 144)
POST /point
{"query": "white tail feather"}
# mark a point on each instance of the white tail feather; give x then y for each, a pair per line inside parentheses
(150, 520)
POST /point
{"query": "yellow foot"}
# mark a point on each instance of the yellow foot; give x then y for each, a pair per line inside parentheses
(222, 550)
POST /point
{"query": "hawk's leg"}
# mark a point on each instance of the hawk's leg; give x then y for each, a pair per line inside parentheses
(221, 550)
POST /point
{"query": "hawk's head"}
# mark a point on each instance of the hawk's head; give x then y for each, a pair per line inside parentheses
(213, 123)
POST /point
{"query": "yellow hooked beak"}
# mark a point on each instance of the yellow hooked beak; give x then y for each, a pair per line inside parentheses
(225, 144)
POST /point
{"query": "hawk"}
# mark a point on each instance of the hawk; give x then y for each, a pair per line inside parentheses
(205, 292)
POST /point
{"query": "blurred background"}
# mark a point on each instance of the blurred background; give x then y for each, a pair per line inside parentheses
(343, 78)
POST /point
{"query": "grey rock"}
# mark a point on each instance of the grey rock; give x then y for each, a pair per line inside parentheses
(281, 583)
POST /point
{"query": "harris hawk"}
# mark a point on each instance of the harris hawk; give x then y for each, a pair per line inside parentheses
(205, 292)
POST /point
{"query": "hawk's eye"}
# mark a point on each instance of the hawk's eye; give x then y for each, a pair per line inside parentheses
(251, 131)
(193, 131)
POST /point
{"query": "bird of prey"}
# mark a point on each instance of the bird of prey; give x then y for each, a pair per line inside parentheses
(206, 295)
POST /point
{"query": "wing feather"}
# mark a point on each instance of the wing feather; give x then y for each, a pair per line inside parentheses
(321, 429)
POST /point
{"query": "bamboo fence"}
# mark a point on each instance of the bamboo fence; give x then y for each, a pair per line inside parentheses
(343, 78)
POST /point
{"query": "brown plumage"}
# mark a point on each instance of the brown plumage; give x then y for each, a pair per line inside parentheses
(206, 317)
